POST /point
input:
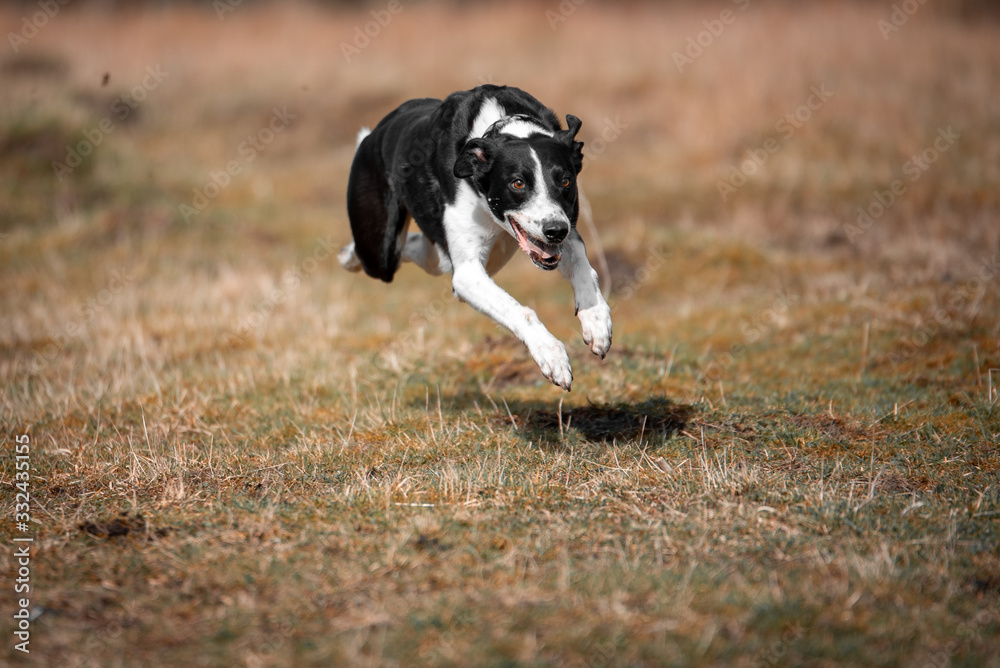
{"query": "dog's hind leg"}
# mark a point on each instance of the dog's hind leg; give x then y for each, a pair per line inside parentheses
(422, 252)
(349, 259)
(378, 219)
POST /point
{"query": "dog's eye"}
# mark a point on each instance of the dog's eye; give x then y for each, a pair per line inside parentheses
(565, 182)
(517, 184)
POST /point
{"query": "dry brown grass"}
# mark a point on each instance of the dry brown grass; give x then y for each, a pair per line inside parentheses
(245, 456)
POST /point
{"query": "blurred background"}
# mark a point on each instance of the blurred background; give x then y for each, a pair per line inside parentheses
(202, 149)
(675, 98)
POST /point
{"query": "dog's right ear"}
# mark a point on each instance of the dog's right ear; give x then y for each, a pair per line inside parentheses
(475, 158)
(568, 137)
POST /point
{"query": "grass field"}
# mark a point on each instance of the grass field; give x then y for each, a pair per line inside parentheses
(242, 455)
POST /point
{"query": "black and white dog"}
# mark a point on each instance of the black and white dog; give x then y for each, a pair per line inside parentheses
(482, 173)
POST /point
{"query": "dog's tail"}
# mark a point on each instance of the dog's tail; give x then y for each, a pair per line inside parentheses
(362, 133)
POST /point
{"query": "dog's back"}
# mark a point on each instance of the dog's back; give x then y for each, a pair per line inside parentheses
(374, 204)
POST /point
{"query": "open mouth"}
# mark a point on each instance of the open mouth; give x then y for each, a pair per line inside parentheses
(546, 256)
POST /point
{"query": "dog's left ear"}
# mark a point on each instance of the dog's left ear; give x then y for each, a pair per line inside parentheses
(475, 158)
(568, 137)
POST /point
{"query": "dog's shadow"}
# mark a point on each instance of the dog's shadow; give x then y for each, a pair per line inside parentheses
(648, 420)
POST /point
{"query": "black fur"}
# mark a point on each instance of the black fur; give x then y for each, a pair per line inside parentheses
(410, 165)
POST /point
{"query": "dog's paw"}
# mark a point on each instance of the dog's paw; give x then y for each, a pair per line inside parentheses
(349, 259)
(596, 324)
(550, 356)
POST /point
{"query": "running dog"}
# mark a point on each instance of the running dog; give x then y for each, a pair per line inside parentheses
(483, 173)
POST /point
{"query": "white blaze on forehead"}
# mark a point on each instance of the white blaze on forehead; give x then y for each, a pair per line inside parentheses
(523, 129)
(490, 112)
(541, 206)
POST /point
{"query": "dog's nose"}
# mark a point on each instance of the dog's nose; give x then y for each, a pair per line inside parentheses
(555, 231)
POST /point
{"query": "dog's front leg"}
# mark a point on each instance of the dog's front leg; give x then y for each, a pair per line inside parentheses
(591, 308)
(473, 285)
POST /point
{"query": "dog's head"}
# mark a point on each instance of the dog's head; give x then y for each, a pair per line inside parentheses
(529, 182)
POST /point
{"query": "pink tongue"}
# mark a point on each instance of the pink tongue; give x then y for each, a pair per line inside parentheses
(528, 247)
(532, 249)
